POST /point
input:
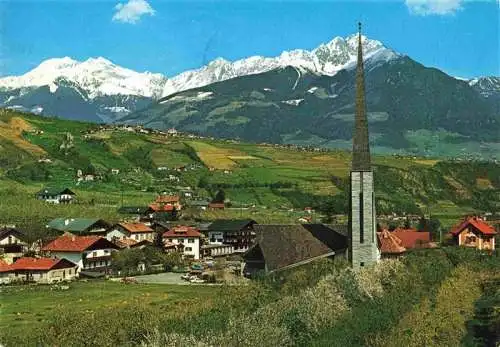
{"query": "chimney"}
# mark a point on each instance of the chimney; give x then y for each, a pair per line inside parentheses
(66, 221)
(73, 238)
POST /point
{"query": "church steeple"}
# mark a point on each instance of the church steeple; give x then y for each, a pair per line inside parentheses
(361, 146)
(363, 248)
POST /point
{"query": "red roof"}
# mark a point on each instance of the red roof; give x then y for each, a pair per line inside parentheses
(409, 237)
(136, 227)
(28, 263)
(161, 208)
(478, 224)
(167, 198)
(181, 231)
(389, 243)
(4, 266)
(70, 243)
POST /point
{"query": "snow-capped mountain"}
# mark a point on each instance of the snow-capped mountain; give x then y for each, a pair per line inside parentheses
(97, 76)
(327, 59)
(487, 86)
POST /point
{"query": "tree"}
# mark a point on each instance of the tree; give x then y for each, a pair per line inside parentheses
(423, 224)
(219, 197)
(407, 224)
(434, 227)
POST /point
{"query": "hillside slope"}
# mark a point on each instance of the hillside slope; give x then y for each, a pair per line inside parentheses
(262, 175)
(412, 109)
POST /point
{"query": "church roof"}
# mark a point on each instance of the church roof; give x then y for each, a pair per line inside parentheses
(361, 146)
(284, 246)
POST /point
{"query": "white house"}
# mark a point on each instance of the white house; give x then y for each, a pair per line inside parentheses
(188, 237)
(56, 196)
(87, 252)
(40, 270)
(134, 231)
(12, 244)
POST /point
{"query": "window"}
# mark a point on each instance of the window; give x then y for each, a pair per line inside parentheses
(94, 254)
(10, 239)
(188, 249)
(361, 219)
(101, 263)
(362, 264)
(190, 240)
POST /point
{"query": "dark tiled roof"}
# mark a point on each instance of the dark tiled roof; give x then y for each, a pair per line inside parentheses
(55, 191)
(230, 224)
(286, 245)
(5, 232)
(133, 209)
(78, 225)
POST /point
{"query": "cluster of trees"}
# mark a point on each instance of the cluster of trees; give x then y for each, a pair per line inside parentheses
(135, 260)
(30, 172)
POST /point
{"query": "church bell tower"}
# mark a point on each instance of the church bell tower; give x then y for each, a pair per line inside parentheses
(363, 249)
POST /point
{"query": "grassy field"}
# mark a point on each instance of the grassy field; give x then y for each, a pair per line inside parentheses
(23, 307)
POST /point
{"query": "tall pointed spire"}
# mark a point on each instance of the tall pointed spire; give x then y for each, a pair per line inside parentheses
(361, 146)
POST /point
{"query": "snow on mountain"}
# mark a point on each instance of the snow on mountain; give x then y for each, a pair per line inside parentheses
(487, 86)
(97, 76)
(327, 59)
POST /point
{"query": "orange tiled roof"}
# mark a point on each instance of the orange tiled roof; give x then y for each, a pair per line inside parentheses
(409, 237)
(28, 263)
(389, 243)
(136, 227)
(478, 223)
(71, 243)
(167, 198)
(4, 266)
(124, 243)
(181, 231)
(161, 208)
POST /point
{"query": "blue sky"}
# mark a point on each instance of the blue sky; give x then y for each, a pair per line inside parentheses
(458, 36)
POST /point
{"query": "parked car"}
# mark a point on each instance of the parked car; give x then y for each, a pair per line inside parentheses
(186, 277)
(196, 280)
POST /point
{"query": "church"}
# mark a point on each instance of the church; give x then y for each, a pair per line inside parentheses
(280, 247)
(363, 242)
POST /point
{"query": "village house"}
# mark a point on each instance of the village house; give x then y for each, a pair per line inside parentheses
(280, 247)
(134, 212)
(187, 236)
(238, 233)
(157, 212)
(216, 250)
(475, 232)
(56, 195)
(397, 242)
(12, 244)
(79, 226)
(131, 243)
(134, 231)
(40, 270)
(89, 253)
(169, 200)
(216, 206)
(412, 238)
(389, 245)
(198, 204)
